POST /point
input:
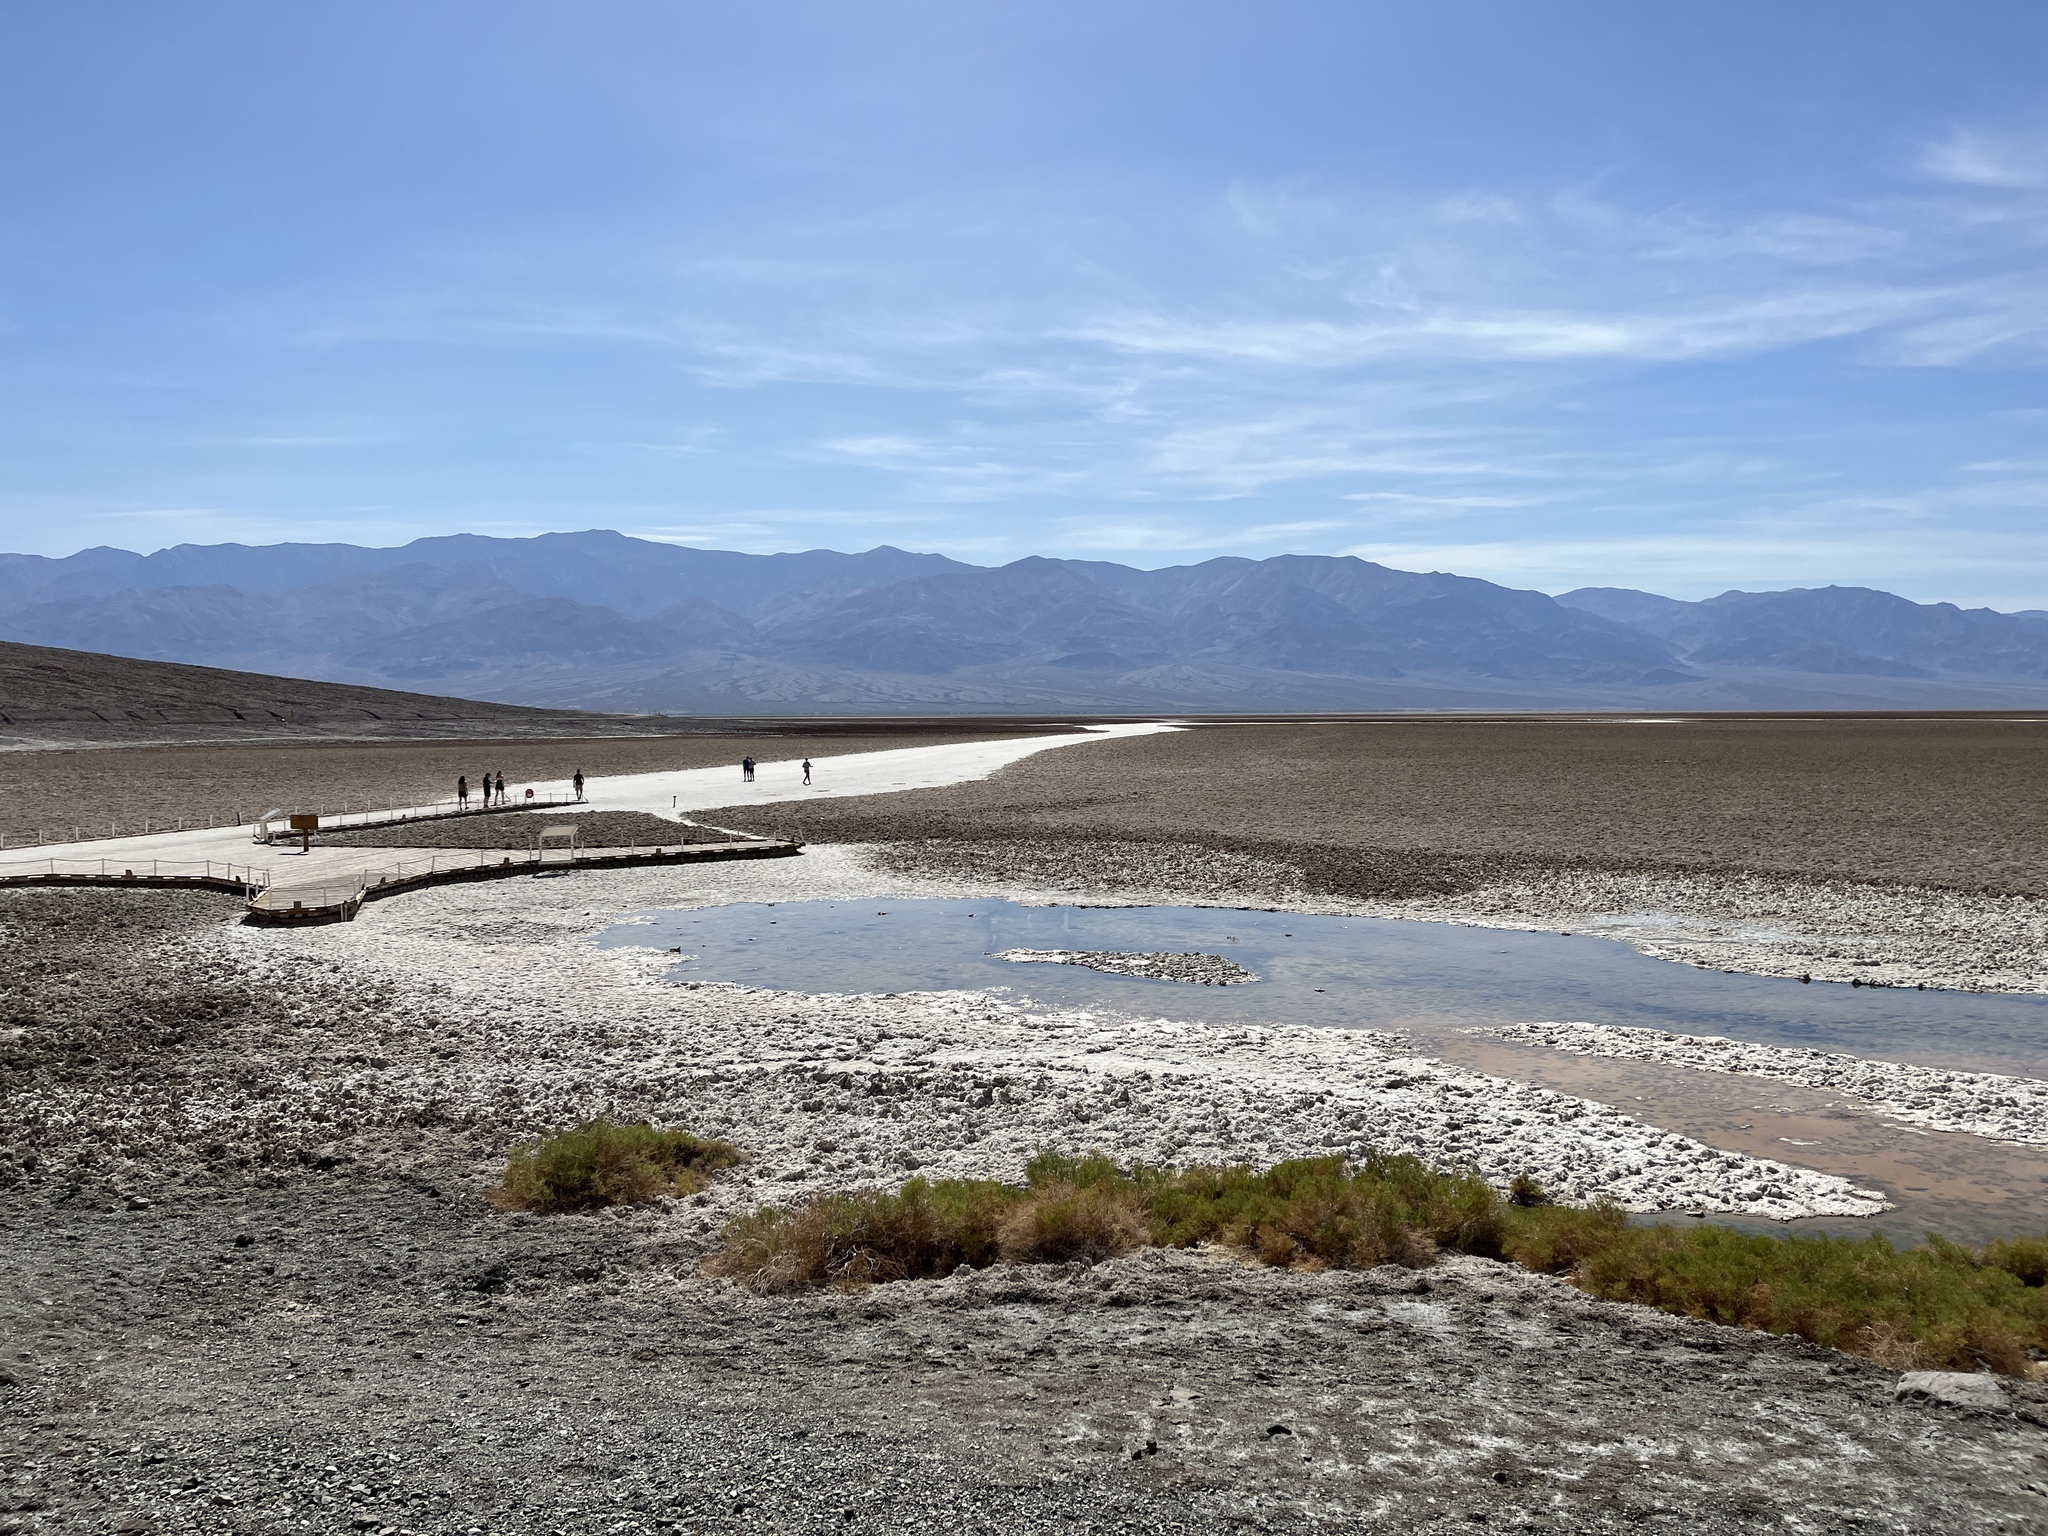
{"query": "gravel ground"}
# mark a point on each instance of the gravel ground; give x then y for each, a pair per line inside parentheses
(254, 1286)
(518, 829)
(1195, 969)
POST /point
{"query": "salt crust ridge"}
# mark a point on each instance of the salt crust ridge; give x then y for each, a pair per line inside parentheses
(504, 1013)
(1195, 969)
(1985, 1104)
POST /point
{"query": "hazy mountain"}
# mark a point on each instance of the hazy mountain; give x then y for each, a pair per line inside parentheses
(1853, 630)
(638, 577)
(603, 621)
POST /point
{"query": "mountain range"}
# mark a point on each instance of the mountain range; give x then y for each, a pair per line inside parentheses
(597, 620)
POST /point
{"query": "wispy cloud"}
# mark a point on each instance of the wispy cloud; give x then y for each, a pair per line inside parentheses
(1977, 158)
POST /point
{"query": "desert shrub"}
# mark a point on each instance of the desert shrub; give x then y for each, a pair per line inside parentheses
(921, 1231)
(1523, 1189)
(1062, 1223)
(1095, 1170)
(1935, 1306)
(1325, 1213)
(604, 1162)
(1556, 1239)
(2024, 1258)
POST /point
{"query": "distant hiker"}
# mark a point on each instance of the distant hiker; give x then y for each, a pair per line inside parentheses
(807, 770)
(462, 791)
(747, 769)
(501, 789)
(487, 791)
(579, 783)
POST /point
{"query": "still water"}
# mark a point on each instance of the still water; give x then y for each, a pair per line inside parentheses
(1427, 979)
(1435, 981)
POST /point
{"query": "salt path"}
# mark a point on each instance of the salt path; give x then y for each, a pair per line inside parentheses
(671, 795)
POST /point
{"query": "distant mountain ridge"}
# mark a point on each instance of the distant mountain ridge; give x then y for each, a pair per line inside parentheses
(1839, 630)
(602, 621)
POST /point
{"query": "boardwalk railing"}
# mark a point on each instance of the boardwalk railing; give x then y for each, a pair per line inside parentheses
(273, 828)
(207, 872)
(367, 815)
(275, 897)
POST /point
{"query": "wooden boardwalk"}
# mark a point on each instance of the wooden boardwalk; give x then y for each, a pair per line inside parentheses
(338, 896)
(339, 899)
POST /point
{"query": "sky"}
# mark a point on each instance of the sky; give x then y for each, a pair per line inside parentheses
(1591, 292)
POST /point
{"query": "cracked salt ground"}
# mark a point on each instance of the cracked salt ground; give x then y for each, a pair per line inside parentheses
(833, 1090)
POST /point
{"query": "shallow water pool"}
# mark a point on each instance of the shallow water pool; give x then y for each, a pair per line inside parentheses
(1434, 982)
(1428, 979)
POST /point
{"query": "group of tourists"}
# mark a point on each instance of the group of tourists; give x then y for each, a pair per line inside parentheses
(494, 789)
(747, 770)
(489, 790)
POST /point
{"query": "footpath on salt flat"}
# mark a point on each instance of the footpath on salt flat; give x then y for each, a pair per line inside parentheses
(673, 794)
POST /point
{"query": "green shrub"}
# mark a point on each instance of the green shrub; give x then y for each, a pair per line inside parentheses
(1524, 1190)
(1065, 1223)
(1935, 1306)
(603, 1162)
(922, 1231)
(1938, 1306)
(2024, 1258)
(1327, 1214)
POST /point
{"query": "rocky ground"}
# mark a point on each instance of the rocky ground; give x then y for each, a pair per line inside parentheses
(253, 1284)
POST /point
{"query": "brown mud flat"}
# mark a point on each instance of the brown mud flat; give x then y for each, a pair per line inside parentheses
(52, 792)
(1413, 807)
(236, 1336)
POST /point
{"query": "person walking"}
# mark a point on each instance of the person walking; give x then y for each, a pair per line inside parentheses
(747, 769)
(579, 783)
(462, 791)
(807, 770)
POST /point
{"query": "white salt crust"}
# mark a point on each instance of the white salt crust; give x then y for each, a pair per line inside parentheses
(1195, 969)
(503, 1012)
(1986, 1104)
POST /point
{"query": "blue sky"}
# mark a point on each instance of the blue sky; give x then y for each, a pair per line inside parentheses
(1663, 295)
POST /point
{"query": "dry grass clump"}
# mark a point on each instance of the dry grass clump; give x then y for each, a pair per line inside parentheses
(1936, 1306)
(1324, 1213)
(919, 1232)
(605, 1162)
